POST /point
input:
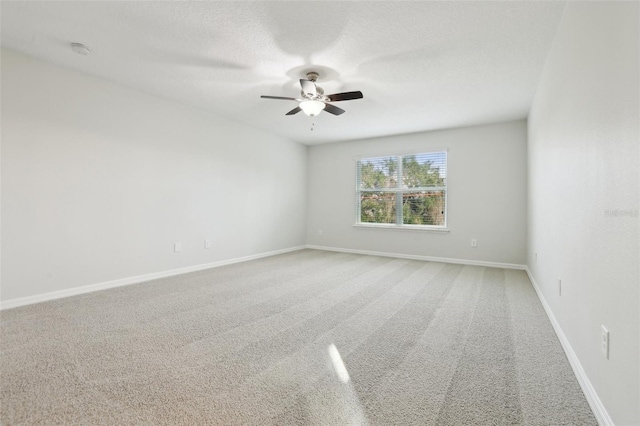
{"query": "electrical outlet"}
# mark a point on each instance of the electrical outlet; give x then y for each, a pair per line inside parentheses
(207, 244)
(320, 233)
(559, 287)
(474, 243)
(535, 257)
(177, 247)
(604, 341)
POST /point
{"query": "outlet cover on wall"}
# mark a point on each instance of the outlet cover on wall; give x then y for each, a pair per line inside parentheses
(559, 287)
(604, 341)
(207, 244)
(474, 242)
(177, 247)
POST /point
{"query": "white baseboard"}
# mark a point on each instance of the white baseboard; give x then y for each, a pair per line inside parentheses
(427, 258)
(599, 411)
(22, 301)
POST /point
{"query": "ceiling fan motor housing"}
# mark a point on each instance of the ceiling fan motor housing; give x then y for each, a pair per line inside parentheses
(312, 76)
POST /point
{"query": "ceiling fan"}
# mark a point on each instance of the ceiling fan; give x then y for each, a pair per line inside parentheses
(314, 100)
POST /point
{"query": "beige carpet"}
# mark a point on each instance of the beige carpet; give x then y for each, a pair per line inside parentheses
(308, 337)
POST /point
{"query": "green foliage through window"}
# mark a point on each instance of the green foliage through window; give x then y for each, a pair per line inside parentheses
(403, 190)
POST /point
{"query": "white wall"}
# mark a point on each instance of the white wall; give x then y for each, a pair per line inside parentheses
(486, 200)
(99, 181)
(583, 160)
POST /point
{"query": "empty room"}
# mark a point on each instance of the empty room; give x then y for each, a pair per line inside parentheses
(320, 213)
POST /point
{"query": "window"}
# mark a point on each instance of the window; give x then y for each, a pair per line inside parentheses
(403, 190)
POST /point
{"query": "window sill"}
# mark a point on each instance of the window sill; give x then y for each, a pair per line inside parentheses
(401, 227)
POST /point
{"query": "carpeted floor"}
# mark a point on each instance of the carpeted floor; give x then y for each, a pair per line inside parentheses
(308, 337)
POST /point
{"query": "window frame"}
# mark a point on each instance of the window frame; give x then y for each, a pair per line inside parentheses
(399, 225)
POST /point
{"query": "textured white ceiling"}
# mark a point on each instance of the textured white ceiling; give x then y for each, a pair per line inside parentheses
(420, 65)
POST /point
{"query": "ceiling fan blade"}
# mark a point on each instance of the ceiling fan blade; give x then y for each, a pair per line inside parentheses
(308, 88)
(294, 111)
(346, 96)
(278, 97)
(332, 109)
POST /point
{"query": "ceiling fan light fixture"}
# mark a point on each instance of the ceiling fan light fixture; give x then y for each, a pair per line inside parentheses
(312, 108)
